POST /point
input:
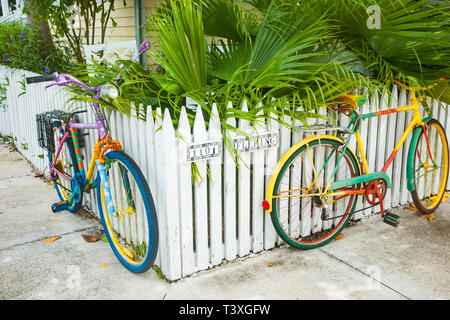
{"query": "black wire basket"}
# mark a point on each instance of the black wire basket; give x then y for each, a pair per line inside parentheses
(45, 128)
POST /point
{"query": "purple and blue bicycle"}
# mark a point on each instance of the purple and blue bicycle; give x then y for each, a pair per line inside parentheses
(125, 202)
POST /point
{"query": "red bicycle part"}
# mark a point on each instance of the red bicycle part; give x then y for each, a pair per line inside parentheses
(375, 193)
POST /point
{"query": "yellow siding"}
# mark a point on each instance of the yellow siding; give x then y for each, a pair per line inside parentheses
(124, 16)
(125, 30)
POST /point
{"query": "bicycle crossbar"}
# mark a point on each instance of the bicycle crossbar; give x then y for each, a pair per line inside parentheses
(360, 179)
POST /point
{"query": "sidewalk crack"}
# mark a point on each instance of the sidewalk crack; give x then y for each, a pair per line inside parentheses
(364, 273)
(40, 239)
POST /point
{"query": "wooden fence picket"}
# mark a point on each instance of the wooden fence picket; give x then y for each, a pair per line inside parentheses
(257, 175)
(229, 186)
(243, 192)
(201, 197)
(185, 192)
(390, 144)
(215, 192)
(171, 199)
(270, 235)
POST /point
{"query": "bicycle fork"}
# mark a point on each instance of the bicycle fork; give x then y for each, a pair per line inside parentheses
(106, 188)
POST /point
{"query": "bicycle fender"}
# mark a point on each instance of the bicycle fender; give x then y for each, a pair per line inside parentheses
(412, 148)
(276, 171)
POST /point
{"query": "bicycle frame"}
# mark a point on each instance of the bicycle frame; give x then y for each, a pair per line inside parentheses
(416, 121)
(367, 175)
(341, 188)
(99, 125)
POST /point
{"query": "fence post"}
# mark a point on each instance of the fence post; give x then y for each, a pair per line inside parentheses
(258, 212)
(390, 133)
(244, 192)
(185, 190)
(229, 185)
(201, 197)
(215, 192)
(270, 235)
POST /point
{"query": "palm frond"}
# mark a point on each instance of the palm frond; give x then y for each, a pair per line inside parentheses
(182, 46)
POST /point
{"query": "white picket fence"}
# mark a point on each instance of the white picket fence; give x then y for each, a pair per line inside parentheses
(219, 217)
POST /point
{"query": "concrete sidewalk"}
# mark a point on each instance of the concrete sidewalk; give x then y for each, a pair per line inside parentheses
(372, 261)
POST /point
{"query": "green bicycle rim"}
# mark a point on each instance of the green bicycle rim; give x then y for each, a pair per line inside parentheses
(330, 236)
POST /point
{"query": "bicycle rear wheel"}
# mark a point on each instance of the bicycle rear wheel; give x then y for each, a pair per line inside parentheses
(430, 172)
(302, 217)
(65, 182)
(133, 233)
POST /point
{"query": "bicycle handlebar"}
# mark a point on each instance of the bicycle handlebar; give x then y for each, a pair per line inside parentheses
(423, 88)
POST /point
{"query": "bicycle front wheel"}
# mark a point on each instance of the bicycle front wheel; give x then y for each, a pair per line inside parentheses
(133, 232)
(430, 168)
(302, 213)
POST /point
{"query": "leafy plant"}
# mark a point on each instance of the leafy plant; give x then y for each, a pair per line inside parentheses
(79, 22)
(3, 87)
(272, 49)
(412, 42)
(158, 271)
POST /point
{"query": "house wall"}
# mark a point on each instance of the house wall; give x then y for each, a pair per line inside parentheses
(125, 18)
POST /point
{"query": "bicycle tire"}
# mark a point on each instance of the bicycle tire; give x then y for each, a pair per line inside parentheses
(125, 244)
(291, 234)
(422, 194)
(66, 160)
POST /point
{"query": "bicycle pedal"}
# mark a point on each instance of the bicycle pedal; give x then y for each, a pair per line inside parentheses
(430, 216)
(60, 206)
(391, 219)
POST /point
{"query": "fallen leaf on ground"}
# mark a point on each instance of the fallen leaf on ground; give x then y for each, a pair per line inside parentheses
(89, 238)
(104, 239)
(339, 236)
(38, 175)
(104, 265)
(48, 240)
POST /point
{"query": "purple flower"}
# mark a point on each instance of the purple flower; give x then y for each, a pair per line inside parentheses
(22, 33)
(47, 70)
(5, 58)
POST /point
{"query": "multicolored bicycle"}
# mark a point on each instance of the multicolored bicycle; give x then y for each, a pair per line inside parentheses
(125, 202)
(313, 190)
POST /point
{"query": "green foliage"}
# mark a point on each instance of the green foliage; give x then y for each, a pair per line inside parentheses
(66, 17)
(3, 86)
(137, 88)
(22, 47)
(158, 272)
(179, 34)
(412, 42)
(272, 49)
(285, 58)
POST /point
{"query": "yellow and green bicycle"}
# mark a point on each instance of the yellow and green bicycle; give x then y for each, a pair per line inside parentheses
(313, 190)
